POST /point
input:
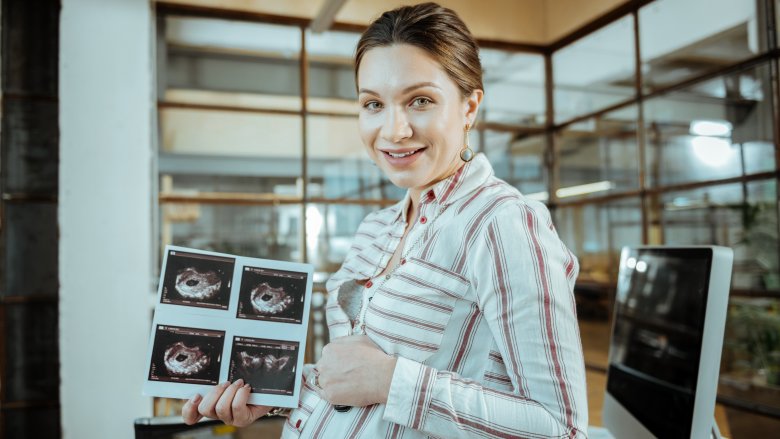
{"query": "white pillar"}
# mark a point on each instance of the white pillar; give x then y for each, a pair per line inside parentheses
(105, 214)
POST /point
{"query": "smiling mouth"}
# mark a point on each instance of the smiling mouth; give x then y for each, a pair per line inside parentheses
(403, 154)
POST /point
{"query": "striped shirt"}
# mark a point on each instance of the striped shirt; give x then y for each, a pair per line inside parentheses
(480, 314)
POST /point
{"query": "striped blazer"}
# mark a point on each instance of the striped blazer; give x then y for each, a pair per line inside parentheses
(480, 314)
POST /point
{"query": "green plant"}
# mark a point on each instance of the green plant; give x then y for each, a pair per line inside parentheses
(759, 237)
(754, 336)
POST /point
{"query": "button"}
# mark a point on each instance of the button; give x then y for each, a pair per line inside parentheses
(387, 277)
(431, 195)
(298, 424)
(423, 220)
(369, 284)
(403, 261)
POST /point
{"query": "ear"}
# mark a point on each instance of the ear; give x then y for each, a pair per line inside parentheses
(472, 106)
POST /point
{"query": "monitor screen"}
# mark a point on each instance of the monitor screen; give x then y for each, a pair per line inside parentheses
(656, 344)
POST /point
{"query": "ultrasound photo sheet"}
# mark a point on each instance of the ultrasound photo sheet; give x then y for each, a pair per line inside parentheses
(222, 317)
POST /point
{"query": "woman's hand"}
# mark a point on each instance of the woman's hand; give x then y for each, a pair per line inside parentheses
(226, 402)
(354, 371)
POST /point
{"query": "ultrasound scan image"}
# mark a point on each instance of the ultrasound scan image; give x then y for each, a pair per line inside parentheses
(189, 355)
(266, 299)
(267, 365)
(272, 295)
(195, 284)
(193, 279)
(183, 360)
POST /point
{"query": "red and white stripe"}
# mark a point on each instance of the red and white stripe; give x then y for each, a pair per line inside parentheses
(481, 316)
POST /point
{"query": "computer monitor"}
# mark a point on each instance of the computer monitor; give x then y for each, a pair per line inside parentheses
(667, 337)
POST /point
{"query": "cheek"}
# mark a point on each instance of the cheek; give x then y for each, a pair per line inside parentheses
(369, 128)
(426, 122)
(439, 125)
(437, 129)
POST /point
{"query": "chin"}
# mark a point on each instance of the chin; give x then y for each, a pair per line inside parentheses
(405, 181)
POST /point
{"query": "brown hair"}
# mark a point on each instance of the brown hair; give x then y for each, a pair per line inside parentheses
(435, 29)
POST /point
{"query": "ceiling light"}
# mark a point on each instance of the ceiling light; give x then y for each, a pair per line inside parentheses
(583, 189)
(538, 196)
(710, 128)
(712, 151)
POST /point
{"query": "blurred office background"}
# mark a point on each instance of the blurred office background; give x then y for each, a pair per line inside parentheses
(231, 126)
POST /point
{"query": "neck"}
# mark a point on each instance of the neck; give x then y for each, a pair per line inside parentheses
(414, 207)
(415, 193)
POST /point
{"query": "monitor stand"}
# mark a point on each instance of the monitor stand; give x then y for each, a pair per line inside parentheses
(715, 433)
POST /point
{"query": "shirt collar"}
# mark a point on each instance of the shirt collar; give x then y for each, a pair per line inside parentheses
(465, 180)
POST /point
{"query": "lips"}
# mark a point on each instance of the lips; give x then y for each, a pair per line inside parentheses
(400, 153)
(402, 157)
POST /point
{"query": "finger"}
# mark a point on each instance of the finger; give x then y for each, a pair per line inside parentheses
(259, 410)
(243, 413)
(224, 407)
(209, 402)
(189, 412)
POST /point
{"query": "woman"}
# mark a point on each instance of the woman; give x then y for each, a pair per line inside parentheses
(453, 314)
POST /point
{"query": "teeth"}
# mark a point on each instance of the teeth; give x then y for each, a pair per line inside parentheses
(398, 156)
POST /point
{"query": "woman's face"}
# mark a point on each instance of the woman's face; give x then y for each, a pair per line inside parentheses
(412, 115)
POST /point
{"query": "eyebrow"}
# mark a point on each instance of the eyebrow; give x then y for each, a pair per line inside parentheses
(406, 90)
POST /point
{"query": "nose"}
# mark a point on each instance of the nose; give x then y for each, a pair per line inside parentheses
(396, 126)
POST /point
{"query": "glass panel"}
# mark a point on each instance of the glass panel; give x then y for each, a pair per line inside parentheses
(330, 230)
(676, 47)
(741, 217)
(269, 184)
(518, 159)
(331, 72)
(239, 101)
(596, 71)
(228, 67)
(228, 133)
(270, 232)
(758, 246)
(339, 166)
(599, 156)
(596, 233)
(703, 216)
(514, 88)
(750, 368)
(230, 56)
(702, 132)
(758, 156)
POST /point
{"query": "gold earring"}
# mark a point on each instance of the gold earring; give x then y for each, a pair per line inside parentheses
(466, 154)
